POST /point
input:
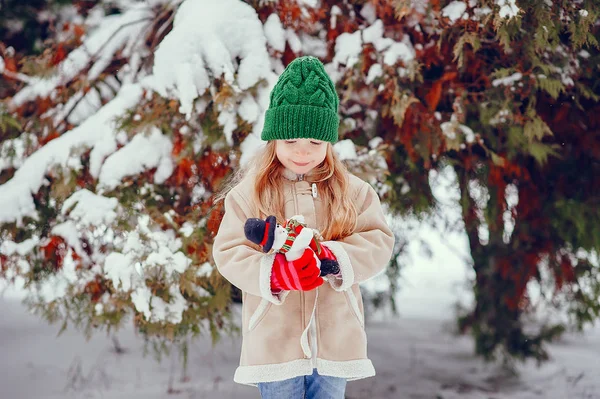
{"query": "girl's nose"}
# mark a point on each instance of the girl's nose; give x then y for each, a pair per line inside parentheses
(302, 151)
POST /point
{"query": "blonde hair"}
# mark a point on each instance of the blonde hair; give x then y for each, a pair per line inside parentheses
(331, 178)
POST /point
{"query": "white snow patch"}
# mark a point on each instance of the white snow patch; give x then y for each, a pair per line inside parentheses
(207, 37)
(345, 149)
(508, 8)
(454, 11)
(143, 152)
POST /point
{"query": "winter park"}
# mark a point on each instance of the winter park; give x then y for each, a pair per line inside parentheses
(217, 198)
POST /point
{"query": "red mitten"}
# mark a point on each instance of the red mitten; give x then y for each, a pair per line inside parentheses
(326, 253)
(301, 274)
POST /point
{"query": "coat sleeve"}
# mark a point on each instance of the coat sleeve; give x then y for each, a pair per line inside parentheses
(235, 257)
(368, 250)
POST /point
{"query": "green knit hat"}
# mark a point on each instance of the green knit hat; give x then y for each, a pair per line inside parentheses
(303, 104)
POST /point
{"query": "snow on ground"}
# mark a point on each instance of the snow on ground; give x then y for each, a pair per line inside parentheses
(415, 358)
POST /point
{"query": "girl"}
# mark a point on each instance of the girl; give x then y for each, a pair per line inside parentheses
(302, 333)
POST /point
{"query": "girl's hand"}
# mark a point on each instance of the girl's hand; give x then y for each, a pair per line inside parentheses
(329, 263)
(301, 274)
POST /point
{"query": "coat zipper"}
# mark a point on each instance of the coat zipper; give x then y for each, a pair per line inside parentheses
(313, 187)
(300, 177)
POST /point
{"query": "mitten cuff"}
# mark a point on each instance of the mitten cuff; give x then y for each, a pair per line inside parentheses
(346, 271)
(266, 268)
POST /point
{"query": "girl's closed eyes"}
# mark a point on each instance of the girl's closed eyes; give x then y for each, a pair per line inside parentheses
(311, 142)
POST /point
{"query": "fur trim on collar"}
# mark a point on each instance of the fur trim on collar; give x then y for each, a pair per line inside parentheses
(293, 176)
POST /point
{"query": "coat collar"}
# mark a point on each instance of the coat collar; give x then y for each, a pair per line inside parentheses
(293, 176)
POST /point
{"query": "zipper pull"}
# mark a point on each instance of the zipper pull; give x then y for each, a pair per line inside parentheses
(314, 190)
(300, 177)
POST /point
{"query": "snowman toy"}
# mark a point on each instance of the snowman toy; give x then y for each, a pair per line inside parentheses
(291, 239)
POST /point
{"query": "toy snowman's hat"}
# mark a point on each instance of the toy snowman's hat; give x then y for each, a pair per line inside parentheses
(261, 232)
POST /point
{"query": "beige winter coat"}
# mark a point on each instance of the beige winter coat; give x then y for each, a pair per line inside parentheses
(289, 334)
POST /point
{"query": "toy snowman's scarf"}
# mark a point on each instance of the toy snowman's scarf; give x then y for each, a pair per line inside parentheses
(294, 227)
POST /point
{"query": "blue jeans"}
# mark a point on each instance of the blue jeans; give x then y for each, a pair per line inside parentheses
(306, 386)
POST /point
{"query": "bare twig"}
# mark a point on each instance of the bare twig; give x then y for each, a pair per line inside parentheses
(162, 28)
(171, 389)
(92, 56)
(66, 117)
(117, 345)
(18, 76)
(74, 375)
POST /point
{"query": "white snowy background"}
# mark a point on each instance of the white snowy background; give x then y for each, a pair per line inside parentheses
(416, 355)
